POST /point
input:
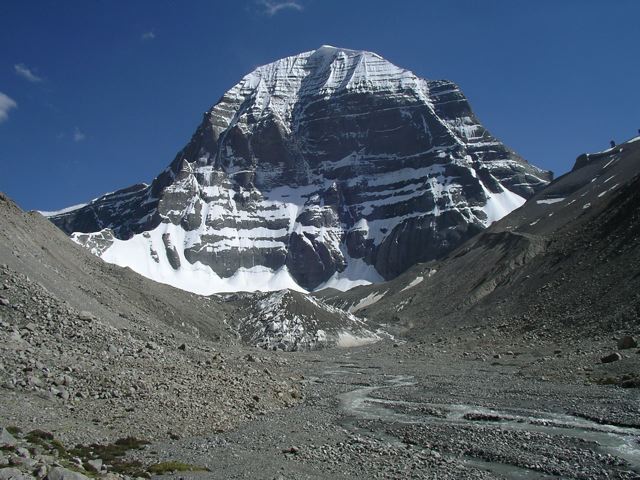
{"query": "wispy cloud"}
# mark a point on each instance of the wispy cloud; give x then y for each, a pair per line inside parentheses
(78, 136)
(272, 7)
(6, 104)
(25, 72)
(146, 36)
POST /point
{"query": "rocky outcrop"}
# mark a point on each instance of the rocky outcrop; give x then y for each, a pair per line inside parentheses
(312, 166)
(292, 321)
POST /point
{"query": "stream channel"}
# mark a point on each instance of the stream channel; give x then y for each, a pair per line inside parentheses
(618, 441)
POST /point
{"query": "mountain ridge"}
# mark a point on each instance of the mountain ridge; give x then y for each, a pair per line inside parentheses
(564, 262)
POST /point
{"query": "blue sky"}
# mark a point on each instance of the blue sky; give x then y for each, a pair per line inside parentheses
(96, 95)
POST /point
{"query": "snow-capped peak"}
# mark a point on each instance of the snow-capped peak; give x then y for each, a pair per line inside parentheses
(323, 72)
(333, 167)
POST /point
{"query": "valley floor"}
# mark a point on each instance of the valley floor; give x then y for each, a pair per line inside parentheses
(456, 407)
(437, 411)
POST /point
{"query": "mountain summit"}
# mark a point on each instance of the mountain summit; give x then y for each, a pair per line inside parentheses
(331, 168)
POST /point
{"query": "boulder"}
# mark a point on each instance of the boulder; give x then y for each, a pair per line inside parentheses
(6, 439)
(613, 357)
(11, 474)
(95, 464)
(61, 473)
(627, 342)
(86, 316)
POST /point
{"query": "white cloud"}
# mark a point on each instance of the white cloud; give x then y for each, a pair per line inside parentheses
(25, 72)
(148, 35)
(272, 7)
(78, 136)
(6, 104)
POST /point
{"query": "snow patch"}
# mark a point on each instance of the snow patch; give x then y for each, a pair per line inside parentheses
(194, 277)
(413, 283)
(62, 211)
(347, 339)
(357, 273)
(367, 301)
(549, 201)
(500, 204)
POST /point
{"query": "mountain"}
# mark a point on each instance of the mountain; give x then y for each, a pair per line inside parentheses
(564, 265)
(331, 168)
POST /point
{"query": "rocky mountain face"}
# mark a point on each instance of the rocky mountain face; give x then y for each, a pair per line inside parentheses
(331, 168)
